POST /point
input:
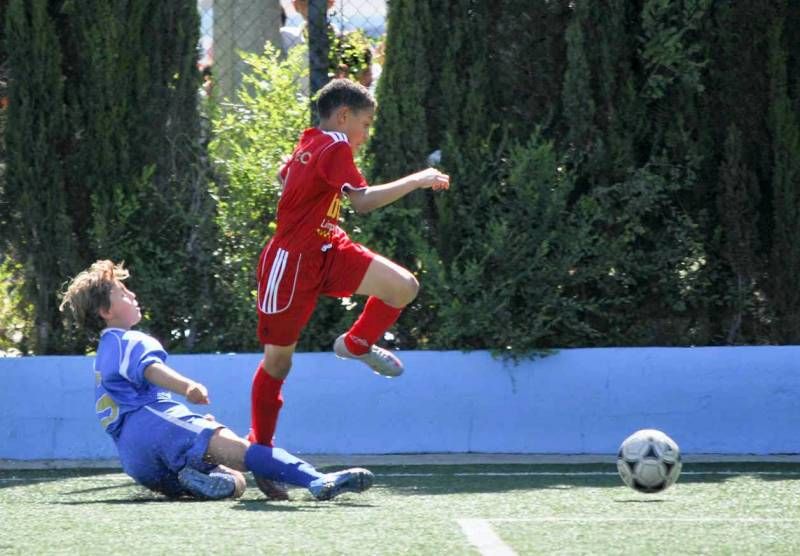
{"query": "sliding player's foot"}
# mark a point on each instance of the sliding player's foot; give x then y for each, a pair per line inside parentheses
(211, 486)
(332, 485)
(380, 360)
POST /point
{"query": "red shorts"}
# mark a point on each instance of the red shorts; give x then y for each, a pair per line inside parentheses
(289, 283)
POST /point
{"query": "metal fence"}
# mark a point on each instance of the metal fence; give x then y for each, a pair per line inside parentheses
(230, 26)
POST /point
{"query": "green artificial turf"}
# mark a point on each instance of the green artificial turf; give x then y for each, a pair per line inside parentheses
(522, 509)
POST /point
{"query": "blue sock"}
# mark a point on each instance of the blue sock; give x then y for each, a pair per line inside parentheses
(277, 464)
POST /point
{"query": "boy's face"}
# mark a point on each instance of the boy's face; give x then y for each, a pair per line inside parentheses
(123, 311)
(355, 124)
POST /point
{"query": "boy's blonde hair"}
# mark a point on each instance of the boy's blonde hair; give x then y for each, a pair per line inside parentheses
(90, 291)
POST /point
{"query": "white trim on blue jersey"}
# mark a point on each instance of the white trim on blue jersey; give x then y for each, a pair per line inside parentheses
(175, 420)
(122, 358)
(126, 360)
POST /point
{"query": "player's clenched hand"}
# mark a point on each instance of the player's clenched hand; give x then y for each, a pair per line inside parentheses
(431, 178)
(197, 393)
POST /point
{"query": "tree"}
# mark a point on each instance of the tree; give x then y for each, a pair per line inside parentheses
(137, 170)
(39, 222)
(106, 158)
(738, 204)
(399, 143)
(785, 255)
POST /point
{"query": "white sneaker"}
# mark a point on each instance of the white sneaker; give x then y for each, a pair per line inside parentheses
(332, 485)
(380, 360)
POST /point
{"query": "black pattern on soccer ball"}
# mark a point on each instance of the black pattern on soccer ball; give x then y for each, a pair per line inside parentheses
(649, 461)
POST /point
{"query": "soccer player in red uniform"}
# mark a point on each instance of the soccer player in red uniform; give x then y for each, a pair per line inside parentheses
(310, 255)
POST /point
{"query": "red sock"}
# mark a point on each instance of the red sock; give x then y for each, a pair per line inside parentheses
(375, 319)
(265, 404)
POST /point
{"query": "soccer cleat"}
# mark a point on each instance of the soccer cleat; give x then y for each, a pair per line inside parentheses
(211, 486)
(380, 360)
(272, 490)
(332, 485)
(239, 481)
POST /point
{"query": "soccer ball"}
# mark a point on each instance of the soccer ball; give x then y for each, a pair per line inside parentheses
(649, 461)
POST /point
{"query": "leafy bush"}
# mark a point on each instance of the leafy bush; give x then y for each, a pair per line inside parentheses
(16, 315)
(511, 267)
(645, 263)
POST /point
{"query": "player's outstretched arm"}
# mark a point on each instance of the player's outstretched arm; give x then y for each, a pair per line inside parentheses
(170, 379)
(377, 196)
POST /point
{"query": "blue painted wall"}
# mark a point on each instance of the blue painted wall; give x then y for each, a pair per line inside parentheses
(742, 400)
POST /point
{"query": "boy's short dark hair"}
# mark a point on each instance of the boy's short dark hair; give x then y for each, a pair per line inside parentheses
(343, 92)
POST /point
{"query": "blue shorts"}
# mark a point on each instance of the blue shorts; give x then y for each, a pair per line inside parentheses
(160, 439)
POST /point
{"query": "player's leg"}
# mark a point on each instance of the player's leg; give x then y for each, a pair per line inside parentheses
(162, 446)
(390, 288)
(286, 298)
(389, 282)
(276, 464)
(266, 398)
(272, 463)
(240, 483)
(266, 401)
(287, 294)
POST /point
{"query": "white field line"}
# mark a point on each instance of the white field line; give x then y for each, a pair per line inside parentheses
(469, 474)
(51, 479)
(581, 474)
(480, 534)
(592, 519)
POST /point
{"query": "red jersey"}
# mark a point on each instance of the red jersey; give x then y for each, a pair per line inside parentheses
(314, 179)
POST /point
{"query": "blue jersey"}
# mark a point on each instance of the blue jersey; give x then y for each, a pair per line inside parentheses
(120, 385)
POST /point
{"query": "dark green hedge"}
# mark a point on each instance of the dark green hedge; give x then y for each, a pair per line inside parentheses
(105, 158)
(622, 174)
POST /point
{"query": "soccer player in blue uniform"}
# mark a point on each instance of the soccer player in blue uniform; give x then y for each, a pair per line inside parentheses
(162, 444)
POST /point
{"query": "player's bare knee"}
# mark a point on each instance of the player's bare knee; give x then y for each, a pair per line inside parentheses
(410, 289)
(227, 448)
(283, 365)
(277, 365)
